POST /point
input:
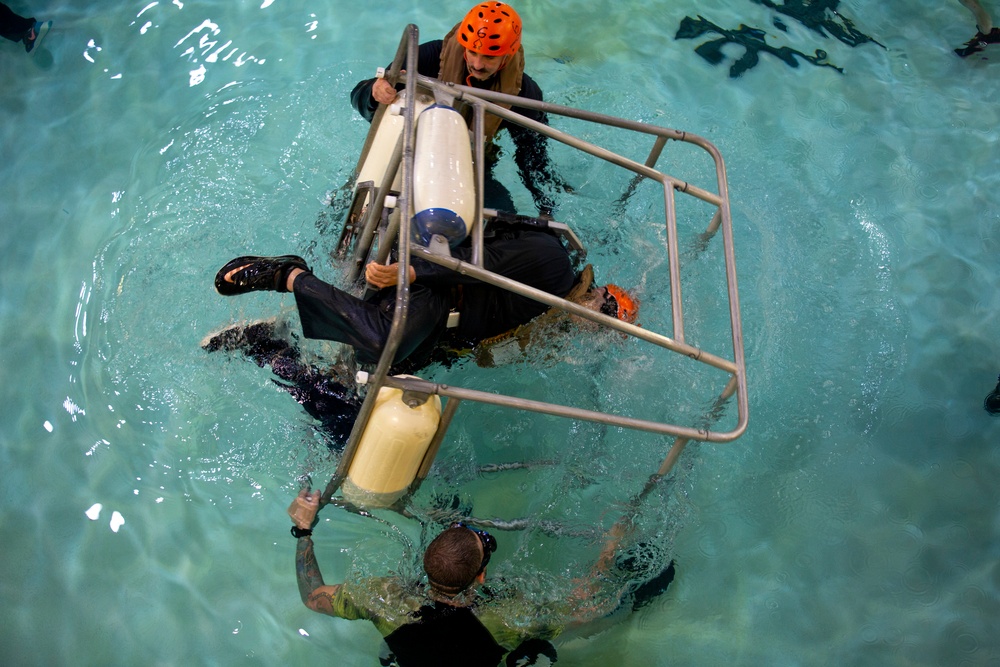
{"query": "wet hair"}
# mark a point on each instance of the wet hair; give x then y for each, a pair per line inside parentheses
(452, 560)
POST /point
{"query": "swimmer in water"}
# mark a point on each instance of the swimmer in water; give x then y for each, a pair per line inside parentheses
(449, 618)
(986, 33)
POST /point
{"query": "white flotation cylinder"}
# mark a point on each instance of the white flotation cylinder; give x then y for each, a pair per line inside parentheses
(391, 449)
(444, 189)
(376, 164)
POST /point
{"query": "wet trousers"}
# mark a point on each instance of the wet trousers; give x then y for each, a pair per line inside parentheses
(329, 313)
(12, 26)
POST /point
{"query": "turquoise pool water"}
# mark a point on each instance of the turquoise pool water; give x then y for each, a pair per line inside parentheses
(145, 482)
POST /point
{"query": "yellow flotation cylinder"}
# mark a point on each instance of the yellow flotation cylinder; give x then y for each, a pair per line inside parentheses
(395, 441)
(374, 170)
(444, 189)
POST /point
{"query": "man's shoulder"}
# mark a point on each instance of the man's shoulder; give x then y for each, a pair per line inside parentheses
(431, 51)
(529, 88)
(384, 587)
(388, 602)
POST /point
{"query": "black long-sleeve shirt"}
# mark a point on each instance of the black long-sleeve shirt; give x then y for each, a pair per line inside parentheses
(536, 258)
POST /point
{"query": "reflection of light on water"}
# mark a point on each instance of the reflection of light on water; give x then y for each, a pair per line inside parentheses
(207, 47)
(197, 75)
(93, 448)
(90, 45)
(117, 520)
(80, 330)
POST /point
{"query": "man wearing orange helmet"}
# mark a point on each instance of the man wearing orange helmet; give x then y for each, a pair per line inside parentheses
(484, 51)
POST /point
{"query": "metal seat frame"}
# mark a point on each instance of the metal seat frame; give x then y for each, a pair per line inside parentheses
(368, 212)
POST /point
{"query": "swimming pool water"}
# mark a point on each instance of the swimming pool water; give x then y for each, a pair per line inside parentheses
(145, 482)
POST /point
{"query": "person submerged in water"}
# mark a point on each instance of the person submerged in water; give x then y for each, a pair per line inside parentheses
(451, 619)
(533, 257)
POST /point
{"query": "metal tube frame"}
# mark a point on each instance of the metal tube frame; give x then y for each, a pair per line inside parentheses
(410, 42)
(484, 101)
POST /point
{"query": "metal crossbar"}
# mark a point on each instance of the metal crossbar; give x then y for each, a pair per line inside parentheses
(368, 211)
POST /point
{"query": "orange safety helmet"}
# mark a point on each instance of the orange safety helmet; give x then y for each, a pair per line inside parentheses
(628, 308)
(492, 29)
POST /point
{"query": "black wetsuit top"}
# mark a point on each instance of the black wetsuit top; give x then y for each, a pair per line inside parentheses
(444, 636)
(536, 258)
(530, 148)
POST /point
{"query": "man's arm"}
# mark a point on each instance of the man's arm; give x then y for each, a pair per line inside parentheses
(531, 153)
(314, 592)
(428, 273)
(536, 259)
(428, 63)
(363, 100)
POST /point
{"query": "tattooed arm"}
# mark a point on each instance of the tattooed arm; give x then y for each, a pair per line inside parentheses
(314, 592)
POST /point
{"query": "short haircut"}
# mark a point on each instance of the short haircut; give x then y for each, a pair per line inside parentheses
(452, 560)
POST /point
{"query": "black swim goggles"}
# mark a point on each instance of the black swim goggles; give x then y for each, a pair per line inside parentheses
(488, 541)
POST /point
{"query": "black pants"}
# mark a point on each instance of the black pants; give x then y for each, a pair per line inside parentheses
(329, 313)
(13, 26)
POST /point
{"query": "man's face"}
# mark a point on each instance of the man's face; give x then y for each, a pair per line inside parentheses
(482, 67)
(597, 299)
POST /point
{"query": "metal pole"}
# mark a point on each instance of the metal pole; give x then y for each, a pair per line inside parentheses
(410, 38)
(560, 410)
(479, 273)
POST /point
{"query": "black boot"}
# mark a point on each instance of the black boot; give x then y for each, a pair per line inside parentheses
(258, 274)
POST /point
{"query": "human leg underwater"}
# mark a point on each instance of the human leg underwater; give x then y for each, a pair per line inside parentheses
(326, 313)
(325, 394)
(329, 313)
(14, 26)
